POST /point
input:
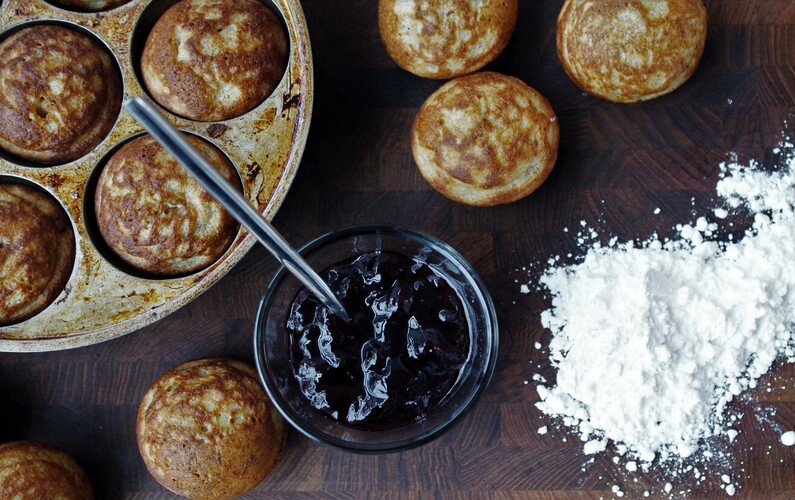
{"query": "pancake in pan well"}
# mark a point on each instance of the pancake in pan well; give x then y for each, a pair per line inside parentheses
(631, 50)
(32, 470)
(212, 60)
(485, 139)
(92, 5)
(60, 94)
(37, 251)
(445, 38)
(206, 429)
(155, 216)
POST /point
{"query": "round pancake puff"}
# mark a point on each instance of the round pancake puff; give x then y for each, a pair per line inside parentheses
(90, 5)
(61, 94)
(631, 50)
(485, 139)
(155, 216)
(206, 429)
(214, 60)
(29, 469)
(37, 251)
(445, 38)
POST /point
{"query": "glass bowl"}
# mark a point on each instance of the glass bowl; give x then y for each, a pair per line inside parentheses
(272, 341)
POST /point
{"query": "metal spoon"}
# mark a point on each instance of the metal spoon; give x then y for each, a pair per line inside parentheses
(144, 112)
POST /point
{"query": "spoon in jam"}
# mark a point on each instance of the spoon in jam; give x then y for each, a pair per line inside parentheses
(170, 138)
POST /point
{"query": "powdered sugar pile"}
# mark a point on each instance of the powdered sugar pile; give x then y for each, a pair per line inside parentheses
(652, 341)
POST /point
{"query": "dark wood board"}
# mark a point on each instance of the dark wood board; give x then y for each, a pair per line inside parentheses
(617, 163)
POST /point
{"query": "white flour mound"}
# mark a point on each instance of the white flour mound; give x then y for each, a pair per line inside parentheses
(650, 343)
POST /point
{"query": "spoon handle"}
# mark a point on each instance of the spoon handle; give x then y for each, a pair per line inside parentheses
(172, 141)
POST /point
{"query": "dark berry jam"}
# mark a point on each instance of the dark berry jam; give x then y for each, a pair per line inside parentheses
(398, 357)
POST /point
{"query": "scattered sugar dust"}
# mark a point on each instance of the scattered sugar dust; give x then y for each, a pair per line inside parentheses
(652, 341)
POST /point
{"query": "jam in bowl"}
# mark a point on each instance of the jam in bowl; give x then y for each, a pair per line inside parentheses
(417, 352)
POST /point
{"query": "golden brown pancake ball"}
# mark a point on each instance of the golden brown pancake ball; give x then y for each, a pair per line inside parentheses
(206, 429)
(155, 216)
(445, 38)
(31, 470)
(485, 139)
(631, 50)
(212, 60)
(61, 94)
(37, 251)
(92, 5)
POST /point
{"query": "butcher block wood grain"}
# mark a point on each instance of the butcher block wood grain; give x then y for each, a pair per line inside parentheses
(616, 165)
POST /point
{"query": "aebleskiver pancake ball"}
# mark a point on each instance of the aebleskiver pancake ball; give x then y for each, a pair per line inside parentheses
(631, 50)
(445, 38)
(37, 251)
(210, 60)
(53, 111)
(206, 429)
(485, 139)
(155, 216)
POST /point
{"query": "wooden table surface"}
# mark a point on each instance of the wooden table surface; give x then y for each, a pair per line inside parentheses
(617, 164)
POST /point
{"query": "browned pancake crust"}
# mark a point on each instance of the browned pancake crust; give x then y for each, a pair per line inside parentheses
(631, 50)
(206, 429)
(33, 470)
(93, 5)
(485, 139)
(445, 38)
(155, 216)
(213, 60)
(60, 94)
(37, 251)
